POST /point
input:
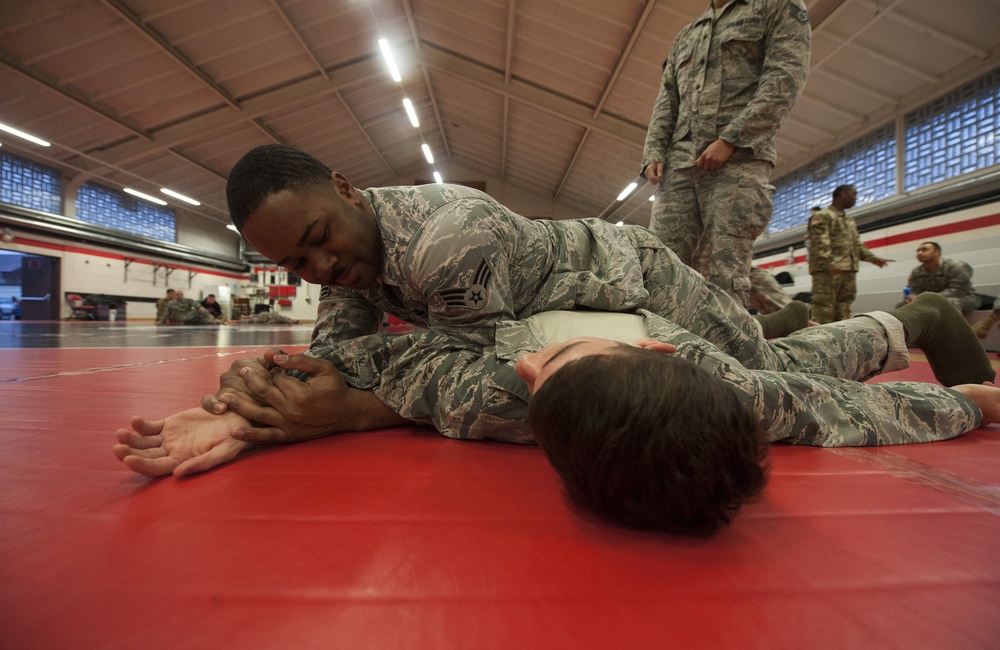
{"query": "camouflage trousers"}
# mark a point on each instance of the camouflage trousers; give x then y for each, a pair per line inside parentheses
(832, 296)
(766, 295)
(711, 219)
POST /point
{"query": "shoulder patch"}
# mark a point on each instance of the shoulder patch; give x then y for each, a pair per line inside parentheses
(816, 219)
(476, 295)
(800, 14)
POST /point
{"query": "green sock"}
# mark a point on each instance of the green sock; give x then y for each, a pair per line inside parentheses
(952, 348)
(790, 318)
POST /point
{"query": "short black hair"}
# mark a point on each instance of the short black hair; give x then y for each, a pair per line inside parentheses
(266, 170)
(932, 243)
(840, 189)
(650, 440)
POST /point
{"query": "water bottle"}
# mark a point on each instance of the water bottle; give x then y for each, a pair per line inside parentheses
(906, 293)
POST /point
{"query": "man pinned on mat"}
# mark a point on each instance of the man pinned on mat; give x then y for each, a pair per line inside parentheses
(672, 430)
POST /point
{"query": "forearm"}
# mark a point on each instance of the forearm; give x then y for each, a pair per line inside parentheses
(341, 315)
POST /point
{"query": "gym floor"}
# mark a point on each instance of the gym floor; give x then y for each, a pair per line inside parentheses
(402, 538)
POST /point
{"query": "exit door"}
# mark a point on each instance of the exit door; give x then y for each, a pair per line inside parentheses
(40, 296)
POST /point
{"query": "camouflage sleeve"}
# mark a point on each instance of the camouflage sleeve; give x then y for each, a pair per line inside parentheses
(782, 78)
(820, 243)
(959, 282)
(811, 409)
(460, 266)
(864, 253)
(342, 315)
(665, 109)
(433, 378)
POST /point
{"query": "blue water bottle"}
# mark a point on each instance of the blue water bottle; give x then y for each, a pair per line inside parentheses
(906, 293)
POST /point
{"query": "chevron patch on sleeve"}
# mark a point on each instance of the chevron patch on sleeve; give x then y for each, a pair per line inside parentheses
(476, 295)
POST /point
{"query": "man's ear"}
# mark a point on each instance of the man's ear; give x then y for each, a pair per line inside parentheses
(344, 187)
(656, 346)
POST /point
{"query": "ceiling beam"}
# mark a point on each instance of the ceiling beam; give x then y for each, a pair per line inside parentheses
(205, 125)
(622, 59)
(524, 93)
(412, 24)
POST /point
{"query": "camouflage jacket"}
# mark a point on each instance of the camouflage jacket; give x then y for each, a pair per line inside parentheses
(735, 78)
(455, 259)
(834, 239)
(471, 391)
(183, 310)
(951, 279)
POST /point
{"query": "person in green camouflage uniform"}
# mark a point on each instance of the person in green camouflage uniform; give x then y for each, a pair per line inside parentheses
(470, 391)
(766, 295)
(185, 311)
(835, 251)
(950, 278)
(730, 80)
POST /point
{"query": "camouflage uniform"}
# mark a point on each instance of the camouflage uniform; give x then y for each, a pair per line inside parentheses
(455, 260)
(268, 318)
(471, 391)
(951, 279)
(161, 308)
(734, 78)
(186, 311)
(834, 240)
(766, 295)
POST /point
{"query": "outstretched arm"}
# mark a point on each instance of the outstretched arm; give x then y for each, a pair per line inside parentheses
(183, 443)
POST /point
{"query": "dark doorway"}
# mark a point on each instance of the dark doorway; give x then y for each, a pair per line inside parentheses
(40, 294)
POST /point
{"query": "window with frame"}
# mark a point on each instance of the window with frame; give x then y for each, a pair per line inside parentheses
(953, 135)
(29, 184)
(868, 163)
(110, 208)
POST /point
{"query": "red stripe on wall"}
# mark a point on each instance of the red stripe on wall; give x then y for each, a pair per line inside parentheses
(923, 234)
(117, 256)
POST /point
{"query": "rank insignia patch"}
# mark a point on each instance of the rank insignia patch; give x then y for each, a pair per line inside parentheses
(474, 296)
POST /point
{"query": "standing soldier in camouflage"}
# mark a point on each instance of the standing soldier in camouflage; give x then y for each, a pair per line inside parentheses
(835, 249)
(731, 79)
(951, 278)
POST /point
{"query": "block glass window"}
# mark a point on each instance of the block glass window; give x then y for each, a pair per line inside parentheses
(30, 185)
(103, 206)
(955, 134)
(868, 163)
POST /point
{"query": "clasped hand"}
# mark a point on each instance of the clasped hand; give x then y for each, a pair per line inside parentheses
(283, 408)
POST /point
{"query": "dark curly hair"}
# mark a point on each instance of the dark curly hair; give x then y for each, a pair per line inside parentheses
(266, 170)
(650, 440)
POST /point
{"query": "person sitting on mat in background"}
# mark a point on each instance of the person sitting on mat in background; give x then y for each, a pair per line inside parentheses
(668, 433)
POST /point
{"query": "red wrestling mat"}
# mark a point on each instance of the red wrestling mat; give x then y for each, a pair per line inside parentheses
(404, 539)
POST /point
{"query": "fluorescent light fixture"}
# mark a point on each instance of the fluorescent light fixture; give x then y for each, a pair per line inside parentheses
(427, 154)
(232, 227)
(390, 60)
(151, 199)
(628, 190)
(408, 105)
(437, 177)
(186, 199)
(620, 223)
(21, 134)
